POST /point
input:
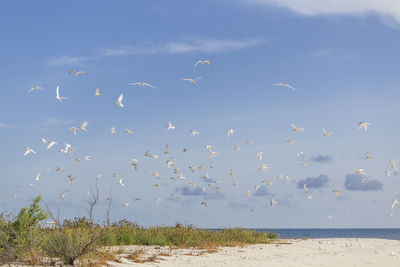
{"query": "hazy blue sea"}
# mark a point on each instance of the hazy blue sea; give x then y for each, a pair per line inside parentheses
(393, 234)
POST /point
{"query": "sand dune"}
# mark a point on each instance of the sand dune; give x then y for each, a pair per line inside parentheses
(339, 252)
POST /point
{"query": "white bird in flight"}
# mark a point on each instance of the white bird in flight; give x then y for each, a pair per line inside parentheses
(194, 81)
(394, 164)
(35, 88)
(212, 154)
(325, 132)
(73, 129)
(359, 171)
(37, 177)
(285, 85)
(290, 141)
(97, 92)
(394, 203)
(28, 151)
(167, 151)
(169, 126)
(203, 61)
(300, 154)
(363, 124)
(51, 144)
(266, 182)
(263, 168)
(71, 178)
(59, 169)
(297, 129)
(142, 84)
(113, 130)
(272, 202)
(193, 133)
(337, 192)
(76, 72)
(119, 101)
(230, 132)
(120, 182)
(209, 147)
(126, 205)
(58, 97)
(83, 125)
(260, 155)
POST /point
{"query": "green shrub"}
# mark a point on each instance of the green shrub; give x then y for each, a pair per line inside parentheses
(20, 239)
(70, 244)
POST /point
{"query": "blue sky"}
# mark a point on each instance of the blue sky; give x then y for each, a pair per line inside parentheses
(341, 56)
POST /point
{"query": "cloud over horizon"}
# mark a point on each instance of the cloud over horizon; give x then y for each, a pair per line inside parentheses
(353, 183)
(196, 191)
(322, 158)
(314, 182)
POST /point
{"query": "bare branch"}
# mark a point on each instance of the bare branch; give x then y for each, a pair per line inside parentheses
(93, 199)
(109, 202)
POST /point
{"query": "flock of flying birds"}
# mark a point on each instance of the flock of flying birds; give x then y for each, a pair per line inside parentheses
(171, 164)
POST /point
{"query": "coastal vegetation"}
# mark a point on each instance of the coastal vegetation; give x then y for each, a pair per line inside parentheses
(26, 238)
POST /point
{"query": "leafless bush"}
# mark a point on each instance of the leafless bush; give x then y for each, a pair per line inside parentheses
(93, 199)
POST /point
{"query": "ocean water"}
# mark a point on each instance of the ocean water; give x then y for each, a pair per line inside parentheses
(386, 233)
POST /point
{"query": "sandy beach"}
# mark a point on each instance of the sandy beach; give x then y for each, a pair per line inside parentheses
(338, 252)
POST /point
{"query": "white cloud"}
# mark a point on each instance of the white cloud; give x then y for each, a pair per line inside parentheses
(385, 8)
(184, 46)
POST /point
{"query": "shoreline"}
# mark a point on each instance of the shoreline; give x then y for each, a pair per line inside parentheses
(329, 252)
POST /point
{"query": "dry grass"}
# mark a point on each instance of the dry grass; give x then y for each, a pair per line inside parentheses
(152, 258)
(136, 256)
(163, 254)
(208, 251)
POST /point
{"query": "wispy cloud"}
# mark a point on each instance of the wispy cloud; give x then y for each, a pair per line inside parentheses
(189, 45)
(353, 183)
(314, 182)
(320, 53)
(67, 61)
(184, 46)
(7, 126)
(322, 158)
(385, 8)
(55, 121)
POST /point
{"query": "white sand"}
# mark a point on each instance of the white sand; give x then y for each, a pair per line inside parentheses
(338, 252)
